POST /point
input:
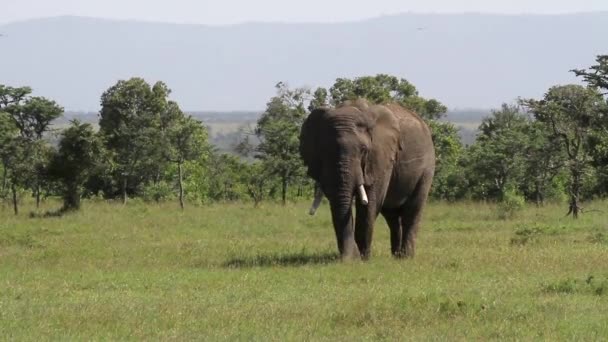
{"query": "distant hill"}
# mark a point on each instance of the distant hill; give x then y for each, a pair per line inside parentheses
(464, 60)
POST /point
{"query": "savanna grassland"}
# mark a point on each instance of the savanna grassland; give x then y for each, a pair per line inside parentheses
(232, 272)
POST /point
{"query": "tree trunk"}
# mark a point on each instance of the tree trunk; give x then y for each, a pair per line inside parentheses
(284, 189)
(4, 181)
(71, 199)
(181, 186)
(37, 195)
(124, 190)
(15, 206)
(539, 198)
(575, 193)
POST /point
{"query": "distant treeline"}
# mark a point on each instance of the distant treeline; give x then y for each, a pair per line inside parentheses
(141, 144)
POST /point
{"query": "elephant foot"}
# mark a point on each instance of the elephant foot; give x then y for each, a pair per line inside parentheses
(350, 253)
(404, 254)
(365, 255)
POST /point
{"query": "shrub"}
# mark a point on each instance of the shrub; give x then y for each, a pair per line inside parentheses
(158, 192)
(512, 203)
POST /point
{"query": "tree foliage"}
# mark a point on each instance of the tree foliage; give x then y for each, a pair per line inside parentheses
(130, 124)
(25, 121)
(597, 75)
(278, 129)
(384, 88)
(80, 151)
(571, 113)
(147, 146)
(185, 139)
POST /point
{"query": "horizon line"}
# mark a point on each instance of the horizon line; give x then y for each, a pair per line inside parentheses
(301, 22)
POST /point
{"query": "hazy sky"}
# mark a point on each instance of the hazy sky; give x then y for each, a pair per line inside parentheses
(219, 12)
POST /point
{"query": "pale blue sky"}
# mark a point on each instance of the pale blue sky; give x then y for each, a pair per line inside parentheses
(221, 12)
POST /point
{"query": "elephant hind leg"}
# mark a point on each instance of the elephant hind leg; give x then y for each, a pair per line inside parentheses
(411, 215)
(393, 219)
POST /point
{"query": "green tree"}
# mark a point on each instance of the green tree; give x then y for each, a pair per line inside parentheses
(224, 174)
(25, 120)
(543, 162)
(383, 88)
(597, 75)
(17, 163)
(257, 181)
(130, 124)
(320, 98)
(33, 117)
(80, 151)
(278, 130)
(448, 181)
(8, 132)
(186, 140)
(496, 160)
(571, 113)
(11, 95)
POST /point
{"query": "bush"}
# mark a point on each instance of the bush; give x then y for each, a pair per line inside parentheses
(511, 204)
(557, 192)
(158, 192)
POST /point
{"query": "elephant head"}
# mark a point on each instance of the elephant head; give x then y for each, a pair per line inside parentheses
(348, 150)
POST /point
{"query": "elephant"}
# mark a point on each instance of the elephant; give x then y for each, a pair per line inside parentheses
(381, 157)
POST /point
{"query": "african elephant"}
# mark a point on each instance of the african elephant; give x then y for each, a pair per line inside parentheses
(380, 156)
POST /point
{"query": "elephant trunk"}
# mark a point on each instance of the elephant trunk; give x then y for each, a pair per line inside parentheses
(342, 218)
(341, 208)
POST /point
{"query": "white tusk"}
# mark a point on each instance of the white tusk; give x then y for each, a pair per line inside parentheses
(317, 201)
(363, 195)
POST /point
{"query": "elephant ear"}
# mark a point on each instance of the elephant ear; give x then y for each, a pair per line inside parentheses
(385, 143)
(310, 141)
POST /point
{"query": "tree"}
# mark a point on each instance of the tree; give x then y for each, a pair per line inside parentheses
(448, 181)
(496, 159)
(185, 140)
(384, 88)
(8, 132)
(130, 124)
(224, 174)
(11, 95)
(278, 130)
(33, 118)
(16, 165)
(24, 120)
(597, 75)
(570, 113)
(80, 150)
(257, 181)
(543, 162)
(320, 98)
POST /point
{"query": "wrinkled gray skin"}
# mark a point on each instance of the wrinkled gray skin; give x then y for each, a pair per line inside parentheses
(385, 148)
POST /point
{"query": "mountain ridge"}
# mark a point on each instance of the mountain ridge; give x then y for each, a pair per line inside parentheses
(268, 22)
(464, 60)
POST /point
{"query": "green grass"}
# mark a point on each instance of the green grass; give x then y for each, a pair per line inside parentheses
(231, 272)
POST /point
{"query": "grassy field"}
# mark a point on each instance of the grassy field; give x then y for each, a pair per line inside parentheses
(231, 272)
